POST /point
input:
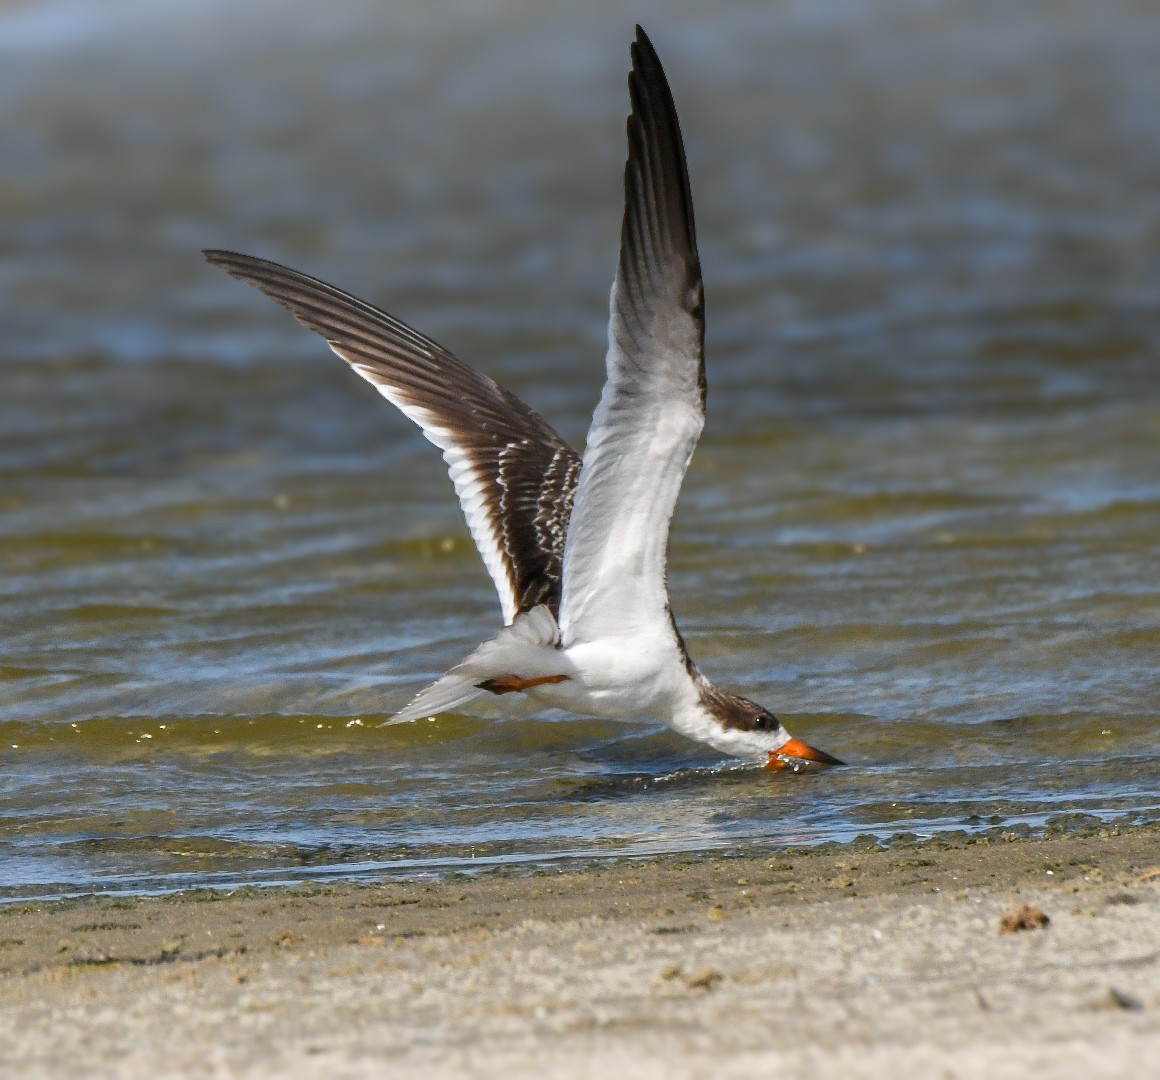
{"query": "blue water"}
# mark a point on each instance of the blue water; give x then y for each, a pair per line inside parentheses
(921, 526)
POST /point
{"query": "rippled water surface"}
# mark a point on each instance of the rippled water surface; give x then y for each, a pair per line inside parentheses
(923, 524)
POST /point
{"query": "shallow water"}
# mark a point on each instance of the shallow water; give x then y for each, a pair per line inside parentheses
(922, 525)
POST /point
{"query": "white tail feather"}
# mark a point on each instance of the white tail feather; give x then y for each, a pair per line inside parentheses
(526, 648)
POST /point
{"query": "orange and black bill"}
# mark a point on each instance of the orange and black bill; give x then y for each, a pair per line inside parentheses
(796, 755)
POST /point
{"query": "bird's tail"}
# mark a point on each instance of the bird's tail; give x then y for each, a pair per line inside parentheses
(521, 655)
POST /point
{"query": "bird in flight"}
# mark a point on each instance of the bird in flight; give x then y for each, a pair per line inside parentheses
(576, 545)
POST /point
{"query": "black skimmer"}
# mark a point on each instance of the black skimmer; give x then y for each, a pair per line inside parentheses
(576, 545)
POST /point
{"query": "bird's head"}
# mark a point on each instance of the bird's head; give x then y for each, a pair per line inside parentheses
(745, 724)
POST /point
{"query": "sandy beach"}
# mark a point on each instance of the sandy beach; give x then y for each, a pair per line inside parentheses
(847, 962)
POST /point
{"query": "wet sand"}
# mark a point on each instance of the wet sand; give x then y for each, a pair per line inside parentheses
(850, 962)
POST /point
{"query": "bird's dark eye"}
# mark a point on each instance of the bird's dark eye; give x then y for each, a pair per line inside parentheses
(766, 721)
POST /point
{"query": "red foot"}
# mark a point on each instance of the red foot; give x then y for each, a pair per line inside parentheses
(509, 684)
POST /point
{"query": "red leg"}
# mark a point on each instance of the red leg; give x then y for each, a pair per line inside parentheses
(510, 684)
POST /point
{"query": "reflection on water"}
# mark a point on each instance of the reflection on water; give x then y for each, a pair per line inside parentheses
(922, 524)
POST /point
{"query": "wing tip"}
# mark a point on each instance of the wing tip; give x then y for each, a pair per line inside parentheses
(219, 256)
(242, 266)
(646, 63)
(656, 169)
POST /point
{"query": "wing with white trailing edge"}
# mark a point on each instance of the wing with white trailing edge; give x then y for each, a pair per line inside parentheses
(653, 405)
(514, 475)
